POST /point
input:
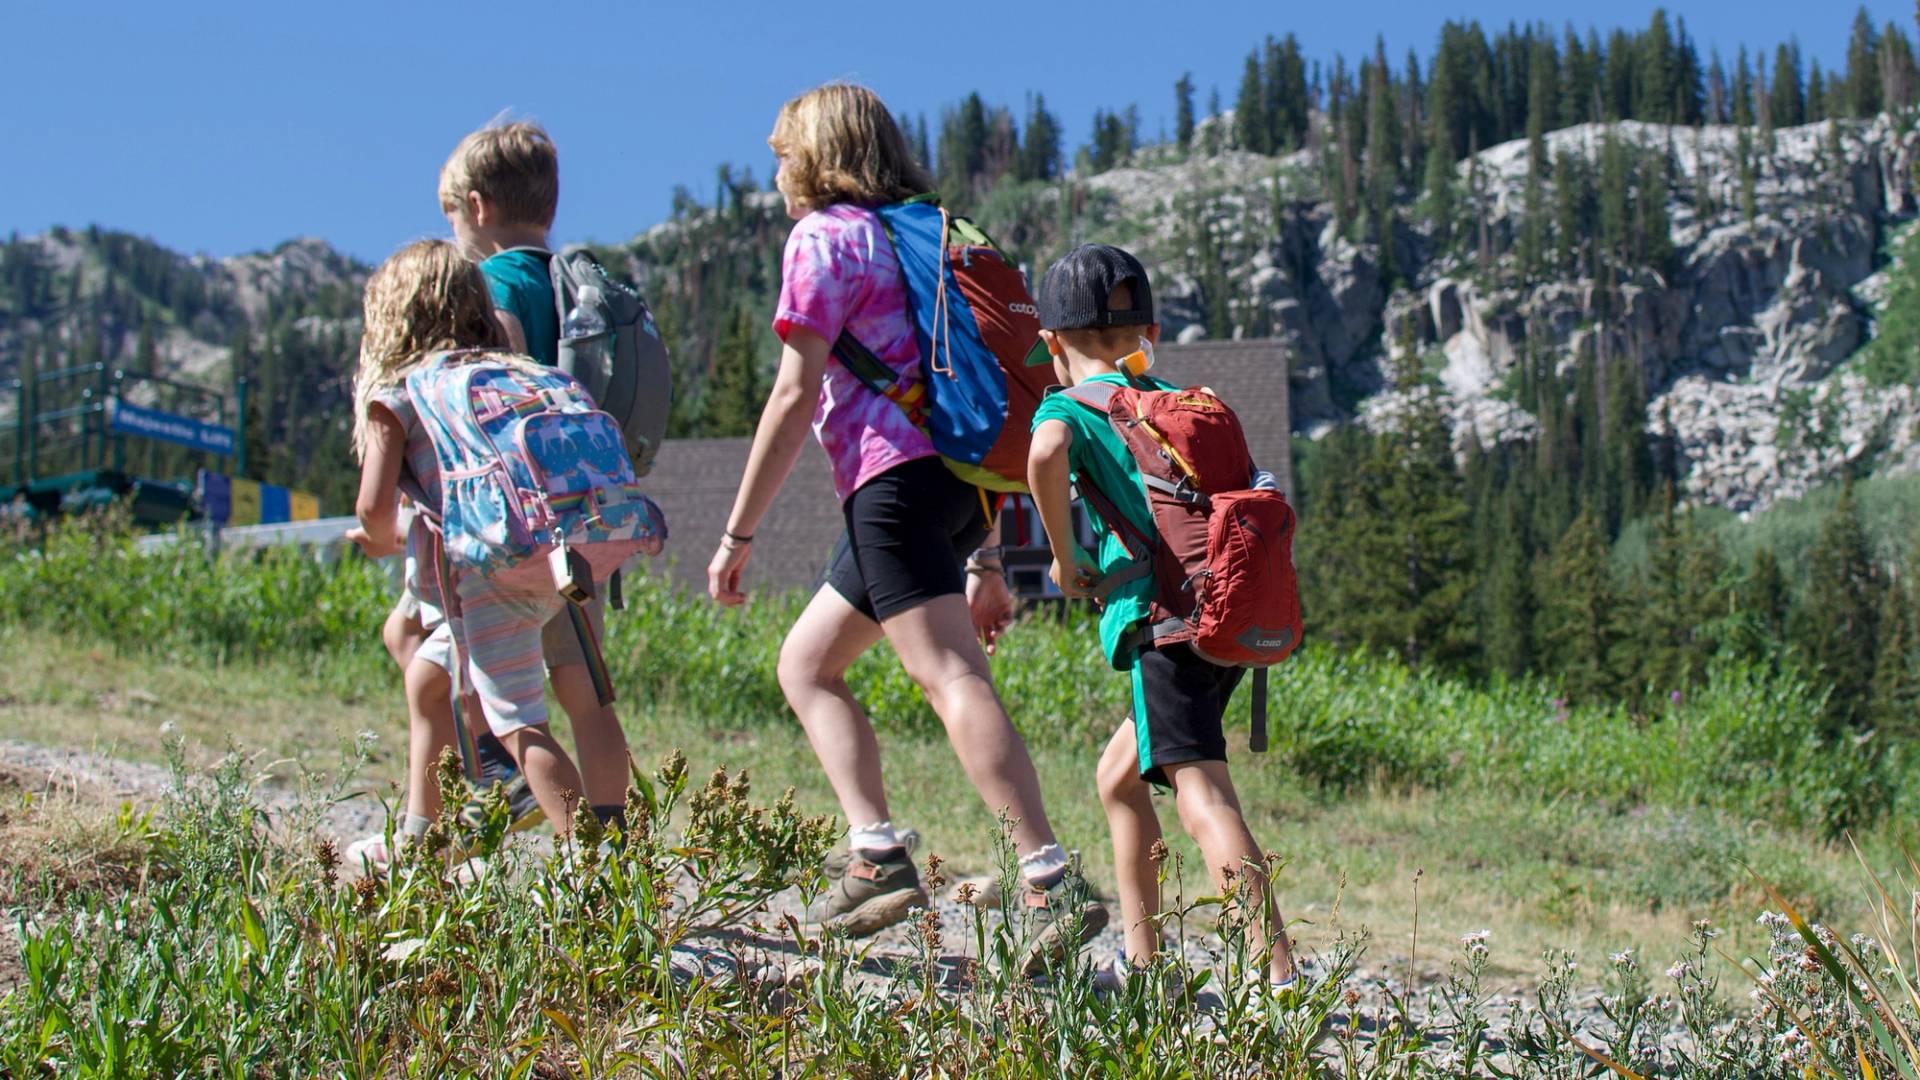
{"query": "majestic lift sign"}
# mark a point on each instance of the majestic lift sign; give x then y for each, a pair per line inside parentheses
(124, 418)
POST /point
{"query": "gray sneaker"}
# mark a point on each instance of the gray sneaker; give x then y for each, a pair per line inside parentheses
(864, 897)
(1060, 919)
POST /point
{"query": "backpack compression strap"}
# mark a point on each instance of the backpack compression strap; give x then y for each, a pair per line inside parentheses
(876, 376)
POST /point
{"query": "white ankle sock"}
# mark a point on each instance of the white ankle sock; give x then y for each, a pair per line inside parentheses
(878, 836)
(415, 826)
(1043, 863)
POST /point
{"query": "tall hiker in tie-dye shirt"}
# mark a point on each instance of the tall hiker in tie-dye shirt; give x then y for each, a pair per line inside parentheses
(897, 572)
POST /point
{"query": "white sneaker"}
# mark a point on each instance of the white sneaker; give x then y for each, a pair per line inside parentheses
(373, 855)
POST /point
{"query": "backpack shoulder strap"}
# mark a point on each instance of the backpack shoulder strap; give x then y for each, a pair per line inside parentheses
(1095, 396)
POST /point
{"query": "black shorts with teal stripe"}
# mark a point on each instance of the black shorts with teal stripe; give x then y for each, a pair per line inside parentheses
(1179, 709)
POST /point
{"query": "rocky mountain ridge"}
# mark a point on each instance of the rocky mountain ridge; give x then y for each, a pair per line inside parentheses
(1744, 344)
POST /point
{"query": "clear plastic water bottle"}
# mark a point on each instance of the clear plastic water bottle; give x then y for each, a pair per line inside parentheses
(585, 319)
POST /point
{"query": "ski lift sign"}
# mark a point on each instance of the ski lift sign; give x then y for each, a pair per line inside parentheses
(124, 418)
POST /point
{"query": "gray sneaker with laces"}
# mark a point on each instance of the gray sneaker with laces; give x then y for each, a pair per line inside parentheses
(1060, 919)
(863, 896)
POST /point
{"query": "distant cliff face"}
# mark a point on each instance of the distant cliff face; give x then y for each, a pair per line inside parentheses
(1742, 343)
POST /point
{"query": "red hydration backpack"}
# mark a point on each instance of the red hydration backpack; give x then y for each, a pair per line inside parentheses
(1222, 559)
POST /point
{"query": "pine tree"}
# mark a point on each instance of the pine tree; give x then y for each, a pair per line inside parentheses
(1383, 157)
(1762, 604)
(1717, 92)
(1414, 559)
(1507, 643)
(1250, 127)
(1789, 96)
(1743, 91)
(1540, 119)
(1040, 154)
(1288, 113)
(1898, 76)
(1816, 94)
(1835, 623)
(736, 388)
(963, 143)
(1743, 150)
(1863, 69)
(1440, 161)
(1183, 111)
(1655, 95)
(1895, 700)
(1578, 613)
(1616, 183)
(1571, 194)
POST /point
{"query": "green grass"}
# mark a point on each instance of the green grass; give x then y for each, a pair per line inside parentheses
(1591, 830)
(1540, 865)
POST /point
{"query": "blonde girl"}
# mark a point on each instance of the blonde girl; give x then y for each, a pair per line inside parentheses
(910, 524)
(428, 298)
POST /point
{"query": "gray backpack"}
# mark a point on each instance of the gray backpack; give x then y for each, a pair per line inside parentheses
(609, 343)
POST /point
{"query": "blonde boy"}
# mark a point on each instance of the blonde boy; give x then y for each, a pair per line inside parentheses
(500, 189)
(1096, 307)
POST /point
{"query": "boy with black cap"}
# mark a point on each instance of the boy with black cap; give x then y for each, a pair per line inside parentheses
(1096, 314)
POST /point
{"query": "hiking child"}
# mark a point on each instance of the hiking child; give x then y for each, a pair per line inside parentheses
(1096, 309)
(499, 190)
(425, 300)
(910, 523)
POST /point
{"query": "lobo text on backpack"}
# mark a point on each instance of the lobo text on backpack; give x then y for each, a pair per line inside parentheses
(528, 465)
(1222, 559)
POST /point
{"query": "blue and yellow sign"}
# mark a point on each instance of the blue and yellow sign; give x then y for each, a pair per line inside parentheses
(230, 501)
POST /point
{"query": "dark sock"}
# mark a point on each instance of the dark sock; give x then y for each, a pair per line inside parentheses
(611, 815)
(495, 763)
(881, 855)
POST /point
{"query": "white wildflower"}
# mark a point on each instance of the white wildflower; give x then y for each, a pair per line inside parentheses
(1680, 970)
(168, 727)
(1475, 937)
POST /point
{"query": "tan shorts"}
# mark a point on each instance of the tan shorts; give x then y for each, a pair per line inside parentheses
(559, 645)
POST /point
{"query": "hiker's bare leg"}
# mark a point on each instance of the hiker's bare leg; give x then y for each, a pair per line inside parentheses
(550, 773)
(1210, 811)
(597, 737)
(940, 650)
(822, 644)
(402, 633)
(430, 731)
(1128, 802)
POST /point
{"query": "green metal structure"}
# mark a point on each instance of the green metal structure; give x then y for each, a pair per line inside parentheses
(61, 421)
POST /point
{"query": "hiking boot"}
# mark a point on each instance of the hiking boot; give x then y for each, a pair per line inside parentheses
(1060, 919)
(523, 810)
(863, 896)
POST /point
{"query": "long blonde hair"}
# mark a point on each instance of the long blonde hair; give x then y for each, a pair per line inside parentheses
(839, 144)
(424, 299)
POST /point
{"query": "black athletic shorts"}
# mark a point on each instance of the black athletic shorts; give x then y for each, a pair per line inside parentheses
(1179, 707)
(909, 532)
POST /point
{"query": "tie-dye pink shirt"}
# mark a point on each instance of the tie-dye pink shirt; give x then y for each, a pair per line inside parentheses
(839, 272)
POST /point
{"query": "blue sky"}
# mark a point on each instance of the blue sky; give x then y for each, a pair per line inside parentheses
(228, 127)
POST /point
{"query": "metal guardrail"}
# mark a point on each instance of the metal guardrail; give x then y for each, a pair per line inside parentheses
(322, 534)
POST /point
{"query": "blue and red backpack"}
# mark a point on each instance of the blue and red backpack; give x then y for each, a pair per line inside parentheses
(983, 369)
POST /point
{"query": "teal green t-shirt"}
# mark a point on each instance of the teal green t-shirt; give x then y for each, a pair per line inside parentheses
(520, 285)
(1099, 459)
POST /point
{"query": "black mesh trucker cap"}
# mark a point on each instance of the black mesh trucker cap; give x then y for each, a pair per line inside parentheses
(1073, 295)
